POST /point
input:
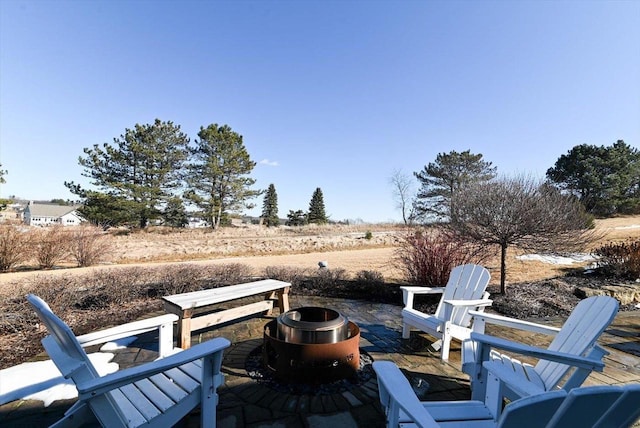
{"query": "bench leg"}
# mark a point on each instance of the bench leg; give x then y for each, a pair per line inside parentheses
(283, 300)
(184, 332)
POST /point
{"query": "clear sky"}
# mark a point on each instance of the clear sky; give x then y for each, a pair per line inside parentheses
(332, 94)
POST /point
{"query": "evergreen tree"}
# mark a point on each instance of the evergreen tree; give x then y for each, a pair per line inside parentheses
(270, 207)
(605, 179)
(175, 214)
(141, 167)
(296, 218)
(450, 172)
(3, 202)
(217, 174)
(316, 208)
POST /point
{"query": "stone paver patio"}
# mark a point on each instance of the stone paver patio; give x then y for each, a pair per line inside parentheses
(246, 402)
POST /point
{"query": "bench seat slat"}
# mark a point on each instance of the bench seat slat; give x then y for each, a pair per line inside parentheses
(224, 294)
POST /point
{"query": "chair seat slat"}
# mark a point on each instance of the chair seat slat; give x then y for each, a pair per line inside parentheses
(137, 399)
(168, 387)
(182, 379)
(155, 395)
(133, 417)
(194, 371)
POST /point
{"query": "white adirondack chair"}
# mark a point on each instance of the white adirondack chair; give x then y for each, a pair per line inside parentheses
(574, 348)
(464, 291)
(156, 394)
(594, 406)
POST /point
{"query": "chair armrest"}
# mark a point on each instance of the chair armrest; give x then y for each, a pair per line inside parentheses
(473, 303)
(482, 318)
(397, 390)
(109, 382)
(409, 292)
(543, 354)
(126, 330)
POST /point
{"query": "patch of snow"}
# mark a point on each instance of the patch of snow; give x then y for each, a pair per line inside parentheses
(118, 344)
(41, 380)
(631, 226)
(558, 260)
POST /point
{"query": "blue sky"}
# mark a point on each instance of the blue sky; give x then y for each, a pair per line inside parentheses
(333, 94)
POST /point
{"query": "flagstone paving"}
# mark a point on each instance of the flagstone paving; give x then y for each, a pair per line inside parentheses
(247, 402)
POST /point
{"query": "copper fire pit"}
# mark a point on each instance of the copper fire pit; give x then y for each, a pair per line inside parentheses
(312, 345)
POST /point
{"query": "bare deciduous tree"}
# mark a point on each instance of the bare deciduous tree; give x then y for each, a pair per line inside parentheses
(403, 195)
(521, 212)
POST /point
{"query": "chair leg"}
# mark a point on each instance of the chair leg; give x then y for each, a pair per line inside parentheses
(406, 331)
(494, 396)
(209, 400)
(76, 416)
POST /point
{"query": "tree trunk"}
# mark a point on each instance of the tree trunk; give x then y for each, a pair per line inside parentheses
(503, 268)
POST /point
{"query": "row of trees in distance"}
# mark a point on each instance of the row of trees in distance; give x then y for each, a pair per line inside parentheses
(315, 215)
(151, 172)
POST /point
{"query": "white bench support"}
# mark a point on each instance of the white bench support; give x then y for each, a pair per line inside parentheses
(198, 309)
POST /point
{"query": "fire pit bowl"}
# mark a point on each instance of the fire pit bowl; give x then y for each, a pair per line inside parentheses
(312, 325)
(311, 345)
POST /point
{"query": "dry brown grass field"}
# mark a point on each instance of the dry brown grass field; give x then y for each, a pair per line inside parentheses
(341, 246)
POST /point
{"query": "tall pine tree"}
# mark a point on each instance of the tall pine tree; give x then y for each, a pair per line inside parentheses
(270, 207)
(218, 179)
(141, 167)
(441, 179)
(317, 214)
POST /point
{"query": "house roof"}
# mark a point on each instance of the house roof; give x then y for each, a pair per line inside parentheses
(50, 210)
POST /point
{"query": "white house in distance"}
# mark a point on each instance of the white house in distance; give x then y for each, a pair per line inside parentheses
(49, 215)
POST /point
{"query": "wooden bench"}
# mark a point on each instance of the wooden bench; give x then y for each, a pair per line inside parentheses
(200, 309)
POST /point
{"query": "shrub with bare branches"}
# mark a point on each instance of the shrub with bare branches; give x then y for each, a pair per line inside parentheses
(427, 256)
(15, 243)
(619, 259)
(292, 275)
(50, 246)
(89, 245)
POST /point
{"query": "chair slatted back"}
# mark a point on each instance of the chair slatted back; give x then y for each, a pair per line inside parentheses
(625, 411)
(72, 361)
(466, 282)
(69, 356)
(533, 411)
(583, 407)
(578, 334)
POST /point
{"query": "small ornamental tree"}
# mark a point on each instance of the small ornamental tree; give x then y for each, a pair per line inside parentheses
(317, 213)
(270, 207)
(520, 212)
